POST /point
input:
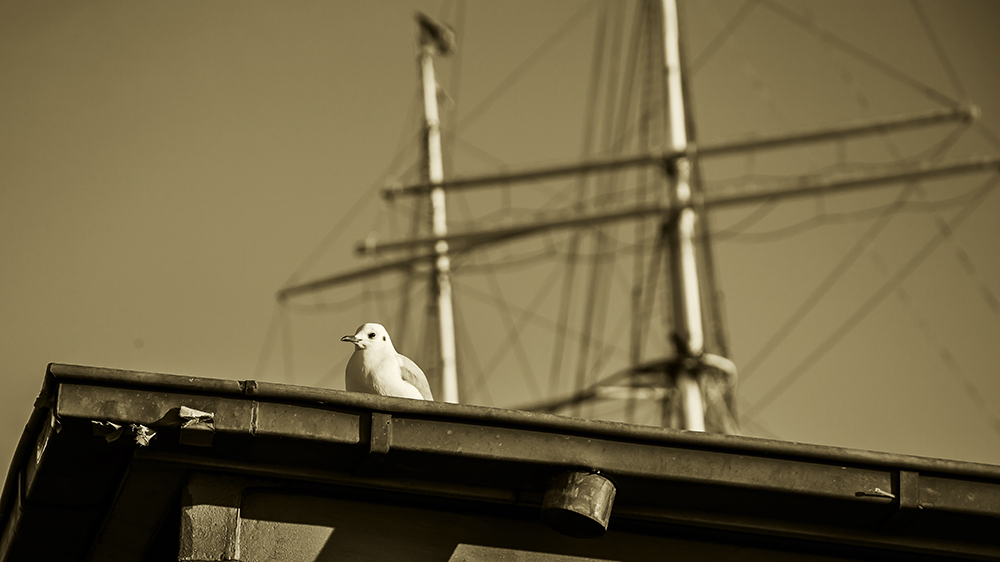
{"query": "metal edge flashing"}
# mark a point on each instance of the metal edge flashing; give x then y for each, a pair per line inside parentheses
(329, 398)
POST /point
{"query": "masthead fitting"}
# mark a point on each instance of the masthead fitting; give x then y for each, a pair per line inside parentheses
(436, 33)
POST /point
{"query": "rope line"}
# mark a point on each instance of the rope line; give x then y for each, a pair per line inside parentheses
(515, 327)
(859, 53)
(827, 218)
(831, 279)
(594, 309)
(469, 351)
(869, 305)
(511, 79)
(723, 35)
(587, 147)
(939, 50)
(508, 319)
(944, 353)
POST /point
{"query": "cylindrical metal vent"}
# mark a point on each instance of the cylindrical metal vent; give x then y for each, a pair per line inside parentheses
(578, 504)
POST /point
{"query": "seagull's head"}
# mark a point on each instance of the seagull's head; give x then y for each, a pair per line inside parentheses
(370, 336)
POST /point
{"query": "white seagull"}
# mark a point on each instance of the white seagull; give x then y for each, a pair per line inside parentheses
(376, 367)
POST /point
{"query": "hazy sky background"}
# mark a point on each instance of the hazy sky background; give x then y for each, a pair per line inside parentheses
(166, 167)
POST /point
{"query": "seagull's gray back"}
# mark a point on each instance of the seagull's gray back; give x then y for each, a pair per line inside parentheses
(413, 375)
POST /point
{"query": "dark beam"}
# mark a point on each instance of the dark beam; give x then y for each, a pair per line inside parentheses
(966, 114)
(802, 187)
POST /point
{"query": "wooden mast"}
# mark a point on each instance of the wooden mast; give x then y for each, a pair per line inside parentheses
(436, 38)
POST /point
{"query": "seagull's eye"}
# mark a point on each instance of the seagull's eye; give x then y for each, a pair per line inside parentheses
(371, 335)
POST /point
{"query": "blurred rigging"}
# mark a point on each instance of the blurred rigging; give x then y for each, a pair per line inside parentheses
(615, 180)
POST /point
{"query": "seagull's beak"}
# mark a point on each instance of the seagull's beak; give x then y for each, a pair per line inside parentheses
(351, 339)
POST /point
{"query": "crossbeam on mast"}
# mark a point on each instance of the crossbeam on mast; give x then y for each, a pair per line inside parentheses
(809, 186)
(605, 164)
(467, 240)
(805, 186)
(476, 238)
(965, 114)
(361, 273)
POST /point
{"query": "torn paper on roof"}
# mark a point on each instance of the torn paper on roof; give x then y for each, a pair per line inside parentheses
(108, 430)
(143, 435)
(198, 427)
(111, 431)
(190, 416)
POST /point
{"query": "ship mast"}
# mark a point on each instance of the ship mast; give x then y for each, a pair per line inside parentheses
(689, 337)
(436, 38)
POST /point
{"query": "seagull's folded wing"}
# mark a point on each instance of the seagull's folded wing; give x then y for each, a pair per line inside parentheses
(413, 375)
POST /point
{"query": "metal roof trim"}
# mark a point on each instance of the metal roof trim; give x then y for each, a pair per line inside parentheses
(278, 392)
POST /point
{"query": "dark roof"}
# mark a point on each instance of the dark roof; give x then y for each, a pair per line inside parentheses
(69, 468)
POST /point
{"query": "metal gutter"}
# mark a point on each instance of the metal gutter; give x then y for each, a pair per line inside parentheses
(284, 393)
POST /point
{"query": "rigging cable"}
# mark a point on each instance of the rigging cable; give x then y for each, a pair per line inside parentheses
(767, 432)
(515, 327)
(512, 328)
(960, 253)
(615, 142)
(866, 239)
(752, 218)
(866, 308)
(591, 304)
(498, 91)
(859, 53)
(455, 88)
(764, 94)
(644, 139)
(723, 35)
(737, 232)
(519, 352)
(353, 212)
(511, 325)
(939, 51)
(896, 207)
(610, 348)
(569, 273)
(957, 249)
(944, 353)
(538, 319)
(469, 351)
(987, 134)
(828, 282)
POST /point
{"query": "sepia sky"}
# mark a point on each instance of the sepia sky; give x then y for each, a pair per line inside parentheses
(167, 167)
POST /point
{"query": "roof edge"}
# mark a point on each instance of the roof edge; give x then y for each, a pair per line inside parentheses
(278, 392)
